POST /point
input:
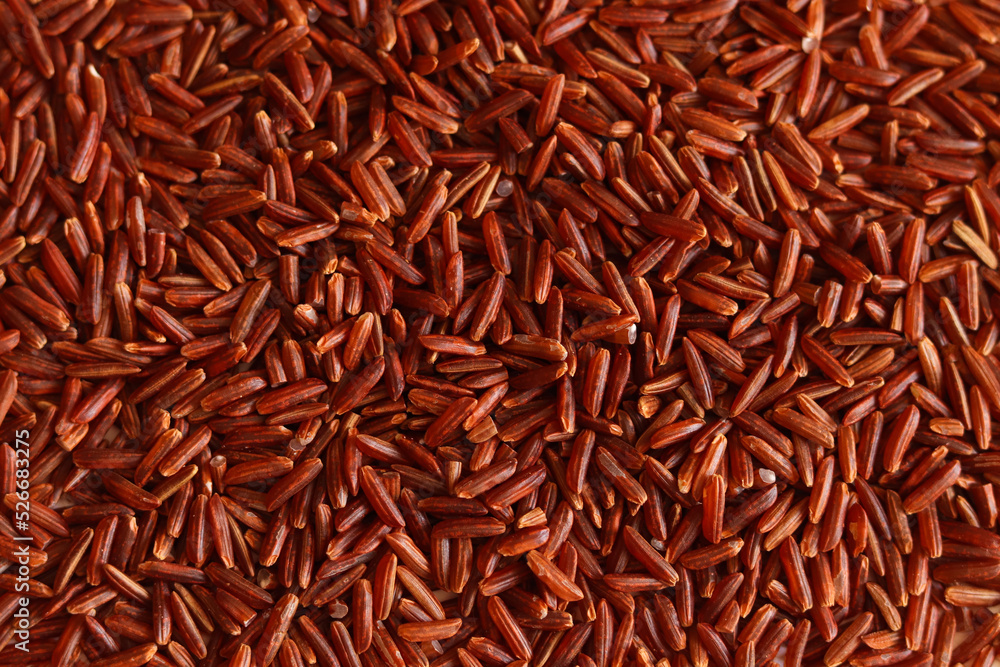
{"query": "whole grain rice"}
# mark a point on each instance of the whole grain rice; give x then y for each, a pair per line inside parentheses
(436, 333)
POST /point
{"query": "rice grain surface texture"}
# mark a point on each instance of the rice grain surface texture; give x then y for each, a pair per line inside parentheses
(460, 333)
